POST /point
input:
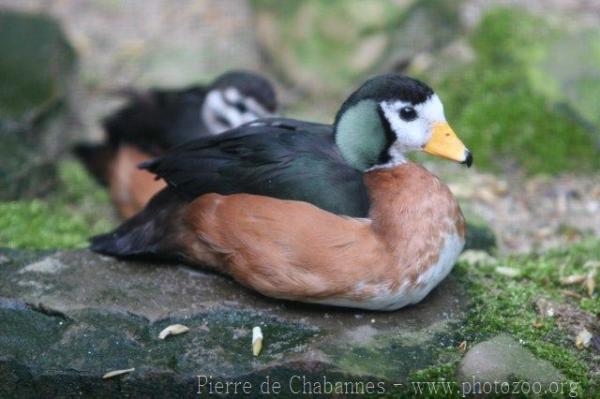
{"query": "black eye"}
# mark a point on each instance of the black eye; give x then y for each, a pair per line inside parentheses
(240, 106)
(408, 114)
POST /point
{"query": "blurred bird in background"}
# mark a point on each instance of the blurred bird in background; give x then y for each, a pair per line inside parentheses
(156, 120)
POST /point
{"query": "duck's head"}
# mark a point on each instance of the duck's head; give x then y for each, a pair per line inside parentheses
(391, 115)
(236, 98)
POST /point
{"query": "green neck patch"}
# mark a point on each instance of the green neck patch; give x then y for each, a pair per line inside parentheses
(360, 136)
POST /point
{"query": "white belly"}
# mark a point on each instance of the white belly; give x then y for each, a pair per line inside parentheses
(386, 299)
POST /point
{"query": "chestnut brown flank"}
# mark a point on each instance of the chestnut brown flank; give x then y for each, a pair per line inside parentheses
(130, 187)
(294, 250)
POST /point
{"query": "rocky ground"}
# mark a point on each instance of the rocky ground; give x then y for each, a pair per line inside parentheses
(532, 214)
(99, 316)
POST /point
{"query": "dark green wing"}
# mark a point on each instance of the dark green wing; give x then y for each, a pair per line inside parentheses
(281, 158)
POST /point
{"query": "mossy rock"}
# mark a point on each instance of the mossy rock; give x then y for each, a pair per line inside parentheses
(570, 73)
(501, 359)
(527, 99)
(326, 48)
(36, 71)
(98, 314)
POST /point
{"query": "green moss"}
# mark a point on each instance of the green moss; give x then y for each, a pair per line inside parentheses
(388, 357)
(64, 220)
(501, 304)
(497, 109)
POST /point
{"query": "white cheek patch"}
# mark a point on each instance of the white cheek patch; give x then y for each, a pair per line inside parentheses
(220, 112)
(409, 134)
(214, 106)
(232, 95)
(413, 134)
(256, 108)
(432, 109)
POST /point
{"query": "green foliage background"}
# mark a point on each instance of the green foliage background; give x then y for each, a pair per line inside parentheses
(497, 106)
(78, 209)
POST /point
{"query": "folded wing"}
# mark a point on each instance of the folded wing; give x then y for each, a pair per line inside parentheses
(280, 158)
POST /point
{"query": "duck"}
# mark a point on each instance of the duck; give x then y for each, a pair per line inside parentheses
(156, 120)
(286, 159)
(291, 249)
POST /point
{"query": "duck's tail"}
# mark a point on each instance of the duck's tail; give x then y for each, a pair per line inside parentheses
(96, 158)
(153, 233)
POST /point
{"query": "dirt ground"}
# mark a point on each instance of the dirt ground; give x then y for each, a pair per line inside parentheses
(532, 214)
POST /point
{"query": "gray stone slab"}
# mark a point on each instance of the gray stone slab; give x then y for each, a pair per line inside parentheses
(69, 317)
(500, 361)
